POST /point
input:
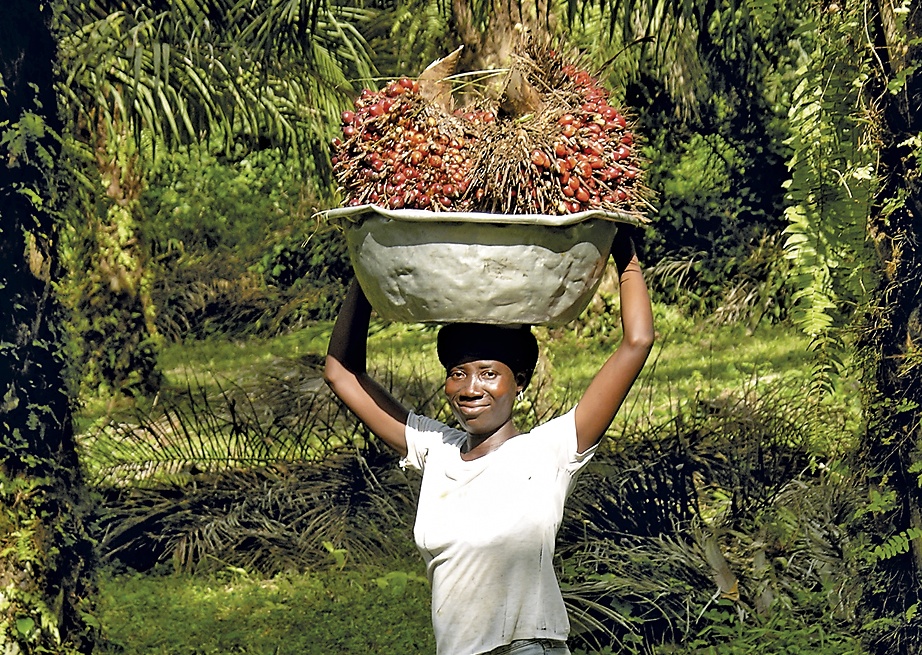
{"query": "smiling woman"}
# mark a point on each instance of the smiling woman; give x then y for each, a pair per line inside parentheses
(486, 367)
(480, 394)
(492, 497)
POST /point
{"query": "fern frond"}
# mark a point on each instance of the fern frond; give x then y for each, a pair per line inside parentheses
(829, 192)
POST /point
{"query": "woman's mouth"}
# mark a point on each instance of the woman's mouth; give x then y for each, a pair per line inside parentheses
(471, 409)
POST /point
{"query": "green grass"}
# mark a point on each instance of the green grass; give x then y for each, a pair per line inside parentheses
(231, 359)
(368, 610)
(690, 357)
(690, 360)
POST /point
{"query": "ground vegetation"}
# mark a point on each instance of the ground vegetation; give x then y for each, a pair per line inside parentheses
(716, 524)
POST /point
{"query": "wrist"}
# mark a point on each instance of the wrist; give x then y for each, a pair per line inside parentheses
(623, 252)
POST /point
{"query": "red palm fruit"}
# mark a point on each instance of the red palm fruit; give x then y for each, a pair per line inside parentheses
(537, 157)
(594, 148)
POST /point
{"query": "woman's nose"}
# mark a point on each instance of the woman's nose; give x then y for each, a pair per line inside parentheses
(471, 385)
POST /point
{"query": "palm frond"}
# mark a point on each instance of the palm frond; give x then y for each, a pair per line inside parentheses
(281, 71)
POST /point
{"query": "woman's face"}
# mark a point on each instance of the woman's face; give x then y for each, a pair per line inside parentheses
(481, 395)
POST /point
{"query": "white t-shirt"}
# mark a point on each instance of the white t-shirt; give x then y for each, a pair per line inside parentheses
(487, 528)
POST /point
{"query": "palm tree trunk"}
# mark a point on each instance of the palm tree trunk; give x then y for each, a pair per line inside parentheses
(491, 46)
(121, 341)
(47, 558)
(892, 342)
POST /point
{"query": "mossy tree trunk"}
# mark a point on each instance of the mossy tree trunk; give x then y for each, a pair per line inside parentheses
(46, 557)
(110, 281)
(892, 340)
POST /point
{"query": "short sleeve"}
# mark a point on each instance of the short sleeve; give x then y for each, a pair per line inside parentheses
(416, 452)
(560, 436)
(424, 434)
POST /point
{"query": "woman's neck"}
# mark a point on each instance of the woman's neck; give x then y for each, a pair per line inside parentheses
(479, 445)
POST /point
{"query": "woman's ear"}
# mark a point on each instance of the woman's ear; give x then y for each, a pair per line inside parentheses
(521, 381)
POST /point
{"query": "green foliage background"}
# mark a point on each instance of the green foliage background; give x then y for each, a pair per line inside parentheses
(237, 248)
(755, 122)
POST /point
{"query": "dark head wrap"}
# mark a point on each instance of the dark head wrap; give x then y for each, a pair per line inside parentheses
(514, 346)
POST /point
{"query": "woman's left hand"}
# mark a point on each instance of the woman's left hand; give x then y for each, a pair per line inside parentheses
(610, 386)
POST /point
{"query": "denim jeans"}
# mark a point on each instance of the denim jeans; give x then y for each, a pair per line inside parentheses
(532, 647)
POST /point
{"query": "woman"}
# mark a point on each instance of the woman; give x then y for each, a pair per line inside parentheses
(492, 498)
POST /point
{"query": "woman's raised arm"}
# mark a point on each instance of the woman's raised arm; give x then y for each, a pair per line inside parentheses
(345, 373)
(607, 391)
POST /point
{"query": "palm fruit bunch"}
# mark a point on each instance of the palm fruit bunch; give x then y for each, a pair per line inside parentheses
(550, 143)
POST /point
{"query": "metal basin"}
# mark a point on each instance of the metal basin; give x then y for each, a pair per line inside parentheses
(419, 266)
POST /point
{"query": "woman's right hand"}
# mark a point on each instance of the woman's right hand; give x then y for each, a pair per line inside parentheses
(346, 374)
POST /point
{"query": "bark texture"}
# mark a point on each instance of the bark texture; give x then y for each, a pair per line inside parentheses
(46, 555)
(892, 340)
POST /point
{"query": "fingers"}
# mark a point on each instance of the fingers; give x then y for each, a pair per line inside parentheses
(622, 248)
